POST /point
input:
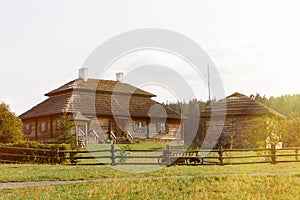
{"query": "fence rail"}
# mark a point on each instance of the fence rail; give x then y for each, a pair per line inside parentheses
(168, 156)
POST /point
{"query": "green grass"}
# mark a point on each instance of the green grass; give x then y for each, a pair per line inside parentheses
(190, 185)
(32, 172)
(241, 187)
(146, 145)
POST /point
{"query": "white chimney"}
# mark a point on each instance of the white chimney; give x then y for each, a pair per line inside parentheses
(120, 76)
(83, 73)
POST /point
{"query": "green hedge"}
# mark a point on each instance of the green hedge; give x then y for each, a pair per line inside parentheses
(30, 152)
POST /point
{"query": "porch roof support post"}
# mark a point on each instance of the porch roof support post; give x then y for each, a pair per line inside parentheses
(51, 127)
(148, 134)
(86, 134)
(182, 130)
(76, 134)
(36, 129)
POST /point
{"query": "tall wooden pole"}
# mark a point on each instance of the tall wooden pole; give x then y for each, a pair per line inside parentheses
(208, 82)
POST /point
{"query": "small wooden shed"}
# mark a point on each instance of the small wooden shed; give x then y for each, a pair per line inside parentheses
(239, 110)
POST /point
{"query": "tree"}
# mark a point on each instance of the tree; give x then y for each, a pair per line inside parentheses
(285, 104)
(10, 125)
(271, 128)
(65, 136)
(292, 138)
(179, 106)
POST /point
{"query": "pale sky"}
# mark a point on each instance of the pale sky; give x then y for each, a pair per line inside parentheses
(255, 45)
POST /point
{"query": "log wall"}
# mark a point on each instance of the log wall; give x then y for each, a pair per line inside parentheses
(101, 126)
(238, 125)
(35, 132)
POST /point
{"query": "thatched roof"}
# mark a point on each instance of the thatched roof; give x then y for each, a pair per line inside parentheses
(98, 98)
(239, 104)
(51, 106)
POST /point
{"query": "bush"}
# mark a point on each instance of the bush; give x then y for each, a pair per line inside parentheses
(10, 125)
(267, 130)
(33, 152)
(292, 138)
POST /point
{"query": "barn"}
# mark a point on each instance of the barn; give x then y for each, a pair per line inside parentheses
(239, 110)
(101, 110)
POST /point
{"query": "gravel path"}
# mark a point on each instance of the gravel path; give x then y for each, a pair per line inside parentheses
(12, 185)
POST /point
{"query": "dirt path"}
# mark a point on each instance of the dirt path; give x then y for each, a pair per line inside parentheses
(12, 185)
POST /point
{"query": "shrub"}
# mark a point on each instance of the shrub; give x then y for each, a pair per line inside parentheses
(267, 128)
(33, 152)
(292, 138)
(10, 125)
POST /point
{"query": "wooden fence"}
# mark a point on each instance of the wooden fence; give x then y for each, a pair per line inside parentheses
(168, 156)
(34, 155)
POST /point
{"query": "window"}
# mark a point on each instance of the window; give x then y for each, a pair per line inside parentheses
(162, 127)
(27, 129)
(139, 127)
(43, 127)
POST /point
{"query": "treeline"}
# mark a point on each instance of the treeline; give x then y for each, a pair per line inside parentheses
(177, 106)
(285, 104)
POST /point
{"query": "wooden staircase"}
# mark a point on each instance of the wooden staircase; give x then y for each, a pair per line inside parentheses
(124, 138)
(94, 138)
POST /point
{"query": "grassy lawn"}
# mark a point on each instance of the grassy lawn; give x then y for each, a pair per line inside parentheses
(240, 187)
(33, 172)
(191, 185)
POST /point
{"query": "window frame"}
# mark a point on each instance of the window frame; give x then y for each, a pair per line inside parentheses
(139, 126)
(27, 129)
(162, 127)
(43, 126)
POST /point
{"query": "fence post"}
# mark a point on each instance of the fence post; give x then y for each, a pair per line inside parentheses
(57, 155)
(296, 156)
(273, 153)
(168, 155)
(112, 151)
(221, 159)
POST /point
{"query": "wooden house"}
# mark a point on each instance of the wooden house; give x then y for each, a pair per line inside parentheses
(102, 110)
(239, 111)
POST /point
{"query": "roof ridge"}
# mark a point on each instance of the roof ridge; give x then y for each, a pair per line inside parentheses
(238, 103)
(101, 85)
(237, 94)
